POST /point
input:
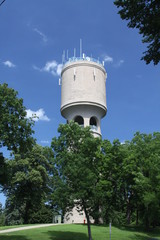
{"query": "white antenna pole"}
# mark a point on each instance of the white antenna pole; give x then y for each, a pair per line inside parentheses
(67, 54)
(80, 48)
(74, 52)
(64, 55)
(62, 58)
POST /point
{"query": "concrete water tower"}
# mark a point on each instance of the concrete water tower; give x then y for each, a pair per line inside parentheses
(83, 92)
(83, 99)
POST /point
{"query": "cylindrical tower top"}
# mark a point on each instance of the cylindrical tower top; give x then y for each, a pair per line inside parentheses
(83, 84)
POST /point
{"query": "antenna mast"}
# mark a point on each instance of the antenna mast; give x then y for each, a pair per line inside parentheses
(67, 54)
(74, 52)
(80, 48)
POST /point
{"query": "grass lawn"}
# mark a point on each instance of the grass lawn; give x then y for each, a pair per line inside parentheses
(79, 232)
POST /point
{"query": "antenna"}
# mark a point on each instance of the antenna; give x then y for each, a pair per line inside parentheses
(64, 55)
(80, 48)
(62, 58)
(74, 52)
(67, 54)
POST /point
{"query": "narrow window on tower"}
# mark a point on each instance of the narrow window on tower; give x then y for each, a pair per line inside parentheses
(93, 123)
(94, 74)
(74, 76)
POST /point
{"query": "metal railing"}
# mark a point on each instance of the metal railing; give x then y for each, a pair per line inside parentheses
(84, 58)
(93, 128)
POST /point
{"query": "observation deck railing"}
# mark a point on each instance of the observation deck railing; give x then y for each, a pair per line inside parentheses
(84, 58)
(94, 128)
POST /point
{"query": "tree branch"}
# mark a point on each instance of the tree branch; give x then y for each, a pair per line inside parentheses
(2, 2)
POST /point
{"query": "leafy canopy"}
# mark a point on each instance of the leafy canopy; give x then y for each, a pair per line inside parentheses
(144, 15)
(76, 168)
(15, 128)
(28, 184)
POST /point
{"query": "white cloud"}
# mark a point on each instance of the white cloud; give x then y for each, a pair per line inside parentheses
(44, 38)
(9, 64)
(37, 68)
(108, 59)
(59, 69)
(119, 63)
(38, 115)
(51, 67)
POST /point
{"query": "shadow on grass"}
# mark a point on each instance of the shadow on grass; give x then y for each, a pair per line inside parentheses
(12, 237)
(138, 237)
(152, 234)
(54, 235)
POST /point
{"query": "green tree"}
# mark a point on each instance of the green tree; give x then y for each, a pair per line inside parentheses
(76, 155)
(15, 129)
(112, 184)
(3, 170)
(43, 215)
(2, 216)
(28, 185)
(146, 149)
(144, 15)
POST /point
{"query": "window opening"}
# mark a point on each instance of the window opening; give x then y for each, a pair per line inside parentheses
(79, 120)
(93, 123)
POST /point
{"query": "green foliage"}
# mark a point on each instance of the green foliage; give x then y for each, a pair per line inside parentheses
(144, 15)
(3, 170)
(147, 180)
(76, 167)
(130, 180)
(43, 215)
(13, 218)
(112, 183)
(2, 216)
(119, 182)
(15, 128)
(28, 183)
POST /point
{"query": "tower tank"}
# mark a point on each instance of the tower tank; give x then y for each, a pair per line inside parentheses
(83, 92)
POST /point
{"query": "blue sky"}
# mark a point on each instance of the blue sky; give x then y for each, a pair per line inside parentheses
(33, 35)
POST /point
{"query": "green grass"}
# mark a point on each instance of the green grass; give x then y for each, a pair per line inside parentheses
(79, 232)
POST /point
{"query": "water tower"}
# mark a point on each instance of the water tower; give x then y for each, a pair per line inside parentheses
(83, 92)
(83, 100)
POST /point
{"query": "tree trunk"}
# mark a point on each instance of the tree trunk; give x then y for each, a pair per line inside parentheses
(137, 216)
(147, 224)
(128, 216)
(26, 214)
(128, 212)
(88, 223)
